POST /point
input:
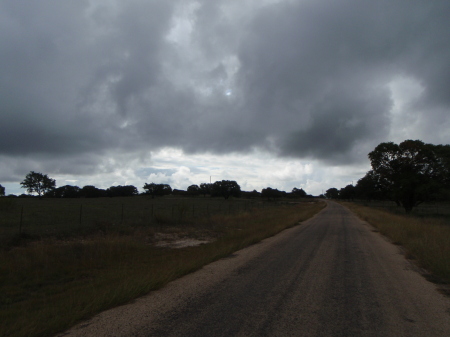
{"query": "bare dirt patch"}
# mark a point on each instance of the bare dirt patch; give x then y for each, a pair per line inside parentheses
(179, 239)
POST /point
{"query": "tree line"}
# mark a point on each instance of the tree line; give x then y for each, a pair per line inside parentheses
(42, 185)
(409, 174)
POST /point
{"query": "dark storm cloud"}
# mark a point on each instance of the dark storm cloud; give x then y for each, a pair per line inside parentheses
(334, 60)
(83, 79)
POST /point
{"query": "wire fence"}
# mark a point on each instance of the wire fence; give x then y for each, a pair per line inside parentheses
(47, 217)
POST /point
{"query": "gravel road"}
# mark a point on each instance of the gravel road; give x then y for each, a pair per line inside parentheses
(331, 276)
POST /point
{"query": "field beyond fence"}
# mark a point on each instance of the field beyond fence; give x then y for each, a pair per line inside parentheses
(46, 217)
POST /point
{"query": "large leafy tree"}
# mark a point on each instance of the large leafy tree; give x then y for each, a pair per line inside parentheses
(90, 191)
(2, 191)
(39, 183)
(206, 188)
(122, 191)
(271, 193)
(348, 192)
(411, 172)
(67, 191)
(370, 187)
(332, 193)
(226, 189)
(194, 190)
(157, 189)
(298, 192)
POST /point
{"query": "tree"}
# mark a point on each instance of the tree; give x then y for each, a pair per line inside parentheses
(90, 191)
(298, 193)
(226, 189)
(194, 190)
(411, 172)
(271, 193)
(332, 193)
(370, 187)
(38, 183)
(206, 188)
(157, 189)
(122, 191)
(67, 191)
(2, 191)
(348, 192)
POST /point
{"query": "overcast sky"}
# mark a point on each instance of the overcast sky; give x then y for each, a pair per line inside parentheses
(278, 93)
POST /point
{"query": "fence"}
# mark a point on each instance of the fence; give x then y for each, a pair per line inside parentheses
(47, 217)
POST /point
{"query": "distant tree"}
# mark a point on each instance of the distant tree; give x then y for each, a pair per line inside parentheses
(180, 193)
(194, 190)
(157, 189)
(226, 189)
(252, 194)
(67, 191)
(2, 191)
(206, 188)
(38, 183)
(122, 191)
(298, 193)
(90, 191)
(271, 193)
(332, 193)
(348, 192)
(411, 172)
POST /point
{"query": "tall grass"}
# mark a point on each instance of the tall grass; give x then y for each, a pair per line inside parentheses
(426, 239)
(48, 286)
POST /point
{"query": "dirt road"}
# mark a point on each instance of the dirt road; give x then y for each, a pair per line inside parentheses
(331, 276)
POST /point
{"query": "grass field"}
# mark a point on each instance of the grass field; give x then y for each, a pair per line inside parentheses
(425, 239)
(40, 218)
(49, 283)
(430, 209)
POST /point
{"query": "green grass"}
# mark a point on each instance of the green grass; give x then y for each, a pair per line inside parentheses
(426, 240)
(49, 285)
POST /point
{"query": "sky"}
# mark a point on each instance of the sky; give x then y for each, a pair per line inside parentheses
(269, 93)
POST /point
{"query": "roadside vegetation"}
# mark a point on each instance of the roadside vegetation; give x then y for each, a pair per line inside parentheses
(425, 238)
(50, 282)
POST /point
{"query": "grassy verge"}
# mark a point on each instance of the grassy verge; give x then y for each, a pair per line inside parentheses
(425, 239)
(48, 286)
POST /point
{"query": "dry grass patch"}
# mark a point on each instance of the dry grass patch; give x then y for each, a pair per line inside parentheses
(49, 285)
(425, 239)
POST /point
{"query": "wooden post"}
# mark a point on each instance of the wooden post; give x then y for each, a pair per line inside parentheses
(121, 220)
(81, 212)
(21, 219)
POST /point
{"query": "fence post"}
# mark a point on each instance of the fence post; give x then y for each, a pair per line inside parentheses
(121, 220)
(21, 218)
(81, 212)
(193, 210)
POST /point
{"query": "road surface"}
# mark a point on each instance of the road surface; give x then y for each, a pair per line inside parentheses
(331, 276)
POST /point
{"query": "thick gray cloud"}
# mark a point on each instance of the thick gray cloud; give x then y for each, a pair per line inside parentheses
(82, 81)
